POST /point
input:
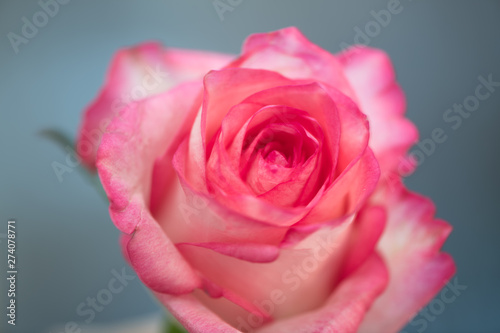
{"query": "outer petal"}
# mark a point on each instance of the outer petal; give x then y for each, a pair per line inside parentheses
(136, 73)
(305, 275)
(342, 312)
(345, 308)
(290, 53)
(193, 315)
(371, 74)
(410, 246)
(144, 132)
(155, 259)
(367, 229)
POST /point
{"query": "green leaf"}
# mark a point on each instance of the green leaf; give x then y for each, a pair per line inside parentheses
(65, 142)
(173, 327)
(57, 136)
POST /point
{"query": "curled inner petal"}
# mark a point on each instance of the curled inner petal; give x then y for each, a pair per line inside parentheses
(278, 150)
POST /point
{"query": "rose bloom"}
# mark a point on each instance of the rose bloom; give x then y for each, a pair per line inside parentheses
(261, 193)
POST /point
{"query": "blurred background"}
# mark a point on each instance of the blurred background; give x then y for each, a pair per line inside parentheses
(67, 246)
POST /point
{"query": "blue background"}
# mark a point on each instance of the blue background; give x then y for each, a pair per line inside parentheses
(67, 245)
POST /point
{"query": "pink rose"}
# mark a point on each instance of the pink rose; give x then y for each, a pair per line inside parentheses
(260, 193)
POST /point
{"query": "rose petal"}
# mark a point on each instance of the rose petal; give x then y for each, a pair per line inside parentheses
(193, 315)
(367, 229)
(410, 246)
(134, 140)
(371, 74)
(231, 157)
(347, 193)
(345, 308)
(223, 89)
(188, 216)
(228, 87)
(136, 73)
(290, 53)
(126, 156)
(224, 164)
(156, 260)
(245, 251)
(306, 274)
